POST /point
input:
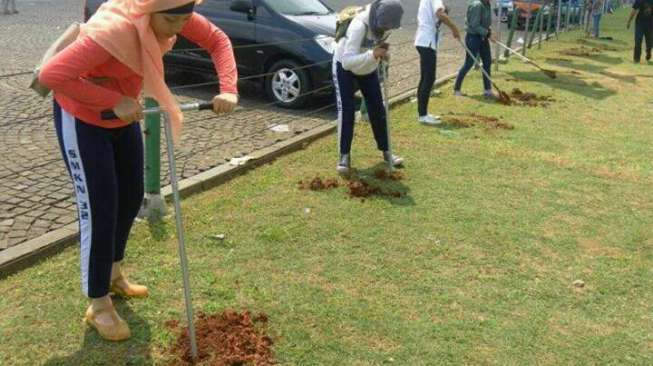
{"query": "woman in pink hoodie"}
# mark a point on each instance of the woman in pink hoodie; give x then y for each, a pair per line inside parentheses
(118, 55)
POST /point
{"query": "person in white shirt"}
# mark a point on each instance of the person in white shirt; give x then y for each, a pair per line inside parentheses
(430, 15)
(356, 59)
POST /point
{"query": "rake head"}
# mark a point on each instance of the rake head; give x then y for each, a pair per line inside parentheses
(504, 98)
(550, 73)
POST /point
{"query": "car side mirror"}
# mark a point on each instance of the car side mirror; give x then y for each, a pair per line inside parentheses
(242, 6)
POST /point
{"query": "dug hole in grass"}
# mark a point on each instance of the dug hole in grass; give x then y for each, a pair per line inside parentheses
(521, 235)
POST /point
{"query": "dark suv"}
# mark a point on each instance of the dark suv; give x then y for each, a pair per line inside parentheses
(280, 38)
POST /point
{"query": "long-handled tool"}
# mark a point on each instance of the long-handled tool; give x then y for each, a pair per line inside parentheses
(504, 98)
(108, 115)
(386, 102)
(550, 73)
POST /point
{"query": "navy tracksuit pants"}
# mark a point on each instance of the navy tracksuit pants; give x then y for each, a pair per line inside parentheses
(370, 86)
(106, 167)
(478, 46)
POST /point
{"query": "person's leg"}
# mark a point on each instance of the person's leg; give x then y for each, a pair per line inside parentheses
(88, 154)
(427, 78)
(472, 42)
(648, 39)
(485, 52)
(371, 89)
(128, 156)
(344, 92)
(13, 7)
(597, 25)
(5, 7)
(639, 34)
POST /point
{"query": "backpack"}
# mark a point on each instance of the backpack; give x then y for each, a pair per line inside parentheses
(345, 16)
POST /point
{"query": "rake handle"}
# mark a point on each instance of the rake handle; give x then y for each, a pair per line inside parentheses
(481, 68)
(526, 59)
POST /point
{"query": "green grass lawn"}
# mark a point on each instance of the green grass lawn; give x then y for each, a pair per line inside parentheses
(475, 265)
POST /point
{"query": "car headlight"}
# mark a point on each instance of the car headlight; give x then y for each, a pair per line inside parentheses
(327, 43)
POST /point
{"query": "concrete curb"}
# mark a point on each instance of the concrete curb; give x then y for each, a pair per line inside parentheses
(32, 251)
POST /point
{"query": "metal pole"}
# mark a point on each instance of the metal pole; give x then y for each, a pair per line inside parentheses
(511, 34)
(535, 26)
(558, 18)
(549, 20)
(153, 207)
(528, 22)
(567, 14)
(180, 235)
(386, 99)
(497, 53)
(539, 32)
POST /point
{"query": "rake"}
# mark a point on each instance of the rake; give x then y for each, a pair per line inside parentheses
(550, 73)
(504, 98)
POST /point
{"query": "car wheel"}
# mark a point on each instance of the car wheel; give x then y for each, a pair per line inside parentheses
(286, 85)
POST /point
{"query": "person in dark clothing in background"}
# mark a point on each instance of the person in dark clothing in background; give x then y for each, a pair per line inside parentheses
(479, 35)
(643, 15)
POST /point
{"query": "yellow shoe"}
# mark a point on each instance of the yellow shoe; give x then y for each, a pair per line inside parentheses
(116, 330)
(121, 287)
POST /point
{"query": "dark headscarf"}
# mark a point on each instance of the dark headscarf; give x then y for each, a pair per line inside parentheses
(385, 15)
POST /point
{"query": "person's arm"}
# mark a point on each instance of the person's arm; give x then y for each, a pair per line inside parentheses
(353, 59)
(474, 25)
(444, 18)
(204, 33)
(63, 74)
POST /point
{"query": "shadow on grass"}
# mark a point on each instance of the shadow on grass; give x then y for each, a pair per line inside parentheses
(595, 69)
(368, 175)
(97, 351)
(569, 83)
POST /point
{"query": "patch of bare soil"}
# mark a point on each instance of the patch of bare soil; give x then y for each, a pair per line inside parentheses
(581, 51)
(530, 99)
(359, 188)
(318, 184)
(383, 174)
(228, 339)
(599, 45)
(473, 119)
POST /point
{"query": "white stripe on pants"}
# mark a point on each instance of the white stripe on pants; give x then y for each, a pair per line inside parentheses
(77, 172)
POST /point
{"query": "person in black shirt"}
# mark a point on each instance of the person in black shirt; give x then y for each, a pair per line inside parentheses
(643, 10)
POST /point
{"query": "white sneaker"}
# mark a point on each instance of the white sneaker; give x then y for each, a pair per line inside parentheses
(429, 120)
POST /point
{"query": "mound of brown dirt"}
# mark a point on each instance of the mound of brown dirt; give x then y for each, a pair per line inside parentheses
(473, 119)
(318, 184)
(530, 99)
(581, 52)
(227, 339)
(383, 174)
(362, 189)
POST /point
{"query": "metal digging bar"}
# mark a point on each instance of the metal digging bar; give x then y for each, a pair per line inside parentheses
(108, 115)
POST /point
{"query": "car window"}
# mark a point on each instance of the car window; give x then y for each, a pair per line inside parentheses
(298, 7)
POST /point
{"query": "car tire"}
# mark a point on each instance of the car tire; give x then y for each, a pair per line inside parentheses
(287, 85)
